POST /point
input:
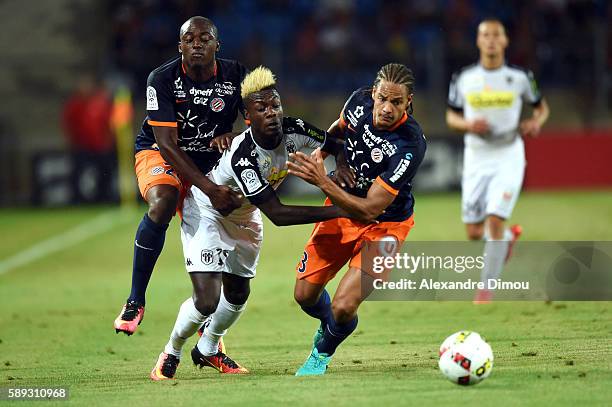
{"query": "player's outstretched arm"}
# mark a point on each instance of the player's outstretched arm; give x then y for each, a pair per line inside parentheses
(455, 121)
(222, 197)
(312, 170)
(286, 215)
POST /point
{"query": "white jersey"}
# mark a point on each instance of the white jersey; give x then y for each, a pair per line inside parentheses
(496, 95)
(254, 171)
(231, 244)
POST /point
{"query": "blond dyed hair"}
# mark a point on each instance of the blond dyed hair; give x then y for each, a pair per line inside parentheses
(258, 79)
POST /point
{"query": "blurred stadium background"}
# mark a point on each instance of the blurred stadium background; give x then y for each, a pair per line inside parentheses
(66, 248)
(321, 51)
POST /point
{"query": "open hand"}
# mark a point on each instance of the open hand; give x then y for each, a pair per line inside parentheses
(310, 168)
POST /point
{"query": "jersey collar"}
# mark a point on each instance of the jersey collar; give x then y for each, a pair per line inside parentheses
(214, 72)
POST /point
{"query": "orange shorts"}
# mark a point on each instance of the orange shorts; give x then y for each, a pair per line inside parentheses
(152, 169)
(335, 242)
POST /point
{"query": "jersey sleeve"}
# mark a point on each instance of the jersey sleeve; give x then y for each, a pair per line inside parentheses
(455, 97)
(303, 133)
(401, 169)
(353, 108)
(249, 179)
(531, 92)
(160, 102)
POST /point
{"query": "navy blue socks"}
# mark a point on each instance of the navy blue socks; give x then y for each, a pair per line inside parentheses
(322, 309)
(148, 245)
(335, 334)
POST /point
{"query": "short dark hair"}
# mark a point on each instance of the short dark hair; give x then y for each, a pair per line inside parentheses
(396, 73)
(199, 18)
(494, 20)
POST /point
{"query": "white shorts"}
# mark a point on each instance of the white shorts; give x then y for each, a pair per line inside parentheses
(492, 180)
(212, 243)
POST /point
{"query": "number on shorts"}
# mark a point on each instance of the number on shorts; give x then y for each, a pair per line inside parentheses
(302, 267)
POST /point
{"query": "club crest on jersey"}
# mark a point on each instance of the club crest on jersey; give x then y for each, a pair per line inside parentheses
(250, 179)
(157, 170)
(217, 104)
(207, 257)
(152, 99)
(290, 145)
(377, 155)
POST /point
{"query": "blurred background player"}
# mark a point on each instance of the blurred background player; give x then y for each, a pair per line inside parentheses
(221, 253)
(192, 103)
(86, 120)
(384, 147)
(485, 102)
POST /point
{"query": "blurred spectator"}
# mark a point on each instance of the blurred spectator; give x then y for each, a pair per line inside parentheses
(86, 122)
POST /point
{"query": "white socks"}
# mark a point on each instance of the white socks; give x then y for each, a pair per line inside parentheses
(495, 255)
(224, 317)
(188, 321)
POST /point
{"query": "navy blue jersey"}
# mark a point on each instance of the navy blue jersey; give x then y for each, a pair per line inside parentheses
(389, 157)
(199, 111)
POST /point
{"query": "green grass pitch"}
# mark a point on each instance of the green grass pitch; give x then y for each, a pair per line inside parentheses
(57, 313)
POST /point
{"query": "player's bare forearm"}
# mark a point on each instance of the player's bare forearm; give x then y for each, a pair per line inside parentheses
(312, 170)
(181, 162)
(222, 198)
(364, 209)
(541, 112)
(286, 215)
(455, 121)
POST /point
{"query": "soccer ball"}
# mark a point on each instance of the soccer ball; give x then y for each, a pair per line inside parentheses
(465, 358)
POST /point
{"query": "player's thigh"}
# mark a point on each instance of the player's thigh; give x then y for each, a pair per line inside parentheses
(504, 190)
(206, 245)
(474, 185)
(151, 170)
(248, 237)
(322, 258)
(379, 242)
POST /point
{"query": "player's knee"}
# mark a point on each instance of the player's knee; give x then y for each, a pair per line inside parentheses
(162, 204)
(304, 298)
(238, 297)
(205, 306)
(495, 227)
(344, 309)
(475, 234)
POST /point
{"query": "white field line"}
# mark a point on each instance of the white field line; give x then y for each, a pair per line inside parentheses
(98, 225)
